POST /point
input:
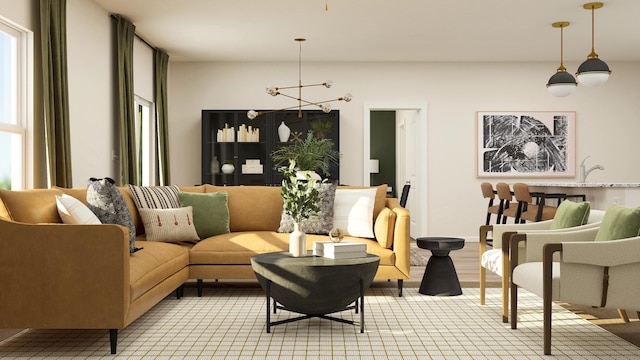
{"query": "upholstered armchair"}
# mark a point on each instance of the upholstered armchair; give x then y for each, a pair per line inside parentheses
(575, 267)
(494, 254)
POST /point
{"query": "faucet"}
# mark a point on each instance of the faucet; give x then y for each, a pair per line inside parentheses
(584, 173)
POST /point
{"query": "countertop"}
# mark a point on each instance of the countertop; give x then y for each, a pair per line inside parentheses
(585, 184)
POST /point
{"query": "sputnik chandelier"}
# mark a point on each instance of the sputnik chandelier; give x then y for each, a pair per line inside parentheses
(275, 91)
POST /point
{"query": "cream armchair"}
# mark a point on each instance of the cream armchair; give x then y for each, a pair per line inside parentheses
(571, 267)
(495, 257)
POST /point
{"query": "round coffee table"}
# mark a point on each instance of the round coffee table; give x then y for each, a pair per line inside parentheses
(314, 286)
(440, 277)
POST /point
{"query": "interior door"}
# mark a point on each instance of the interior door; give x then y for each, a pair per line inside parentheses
(407, 160)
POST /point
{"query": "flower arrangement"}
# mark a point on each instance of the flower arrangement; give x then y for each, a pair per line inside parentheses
(300, 197)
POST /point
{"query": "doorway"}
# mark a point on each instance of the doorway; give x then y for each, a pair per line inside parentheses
(407, 148)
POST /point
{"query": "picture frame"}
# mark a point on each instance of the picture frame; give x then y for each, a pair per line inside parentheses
(520, 144)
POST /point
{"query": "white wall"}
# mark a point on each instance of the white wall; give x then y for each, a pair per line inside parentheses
(607, 118)
(91, 91)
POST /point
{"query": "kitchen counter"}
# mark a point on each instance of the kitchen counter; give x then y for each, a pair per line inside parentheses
(601, 195)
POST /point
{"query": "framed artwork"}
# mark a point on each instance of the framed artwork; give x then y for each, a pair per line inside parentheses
(526, 144)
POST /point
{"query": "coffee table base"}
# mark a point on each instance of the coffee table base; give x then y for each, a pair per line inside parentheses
(358, 309)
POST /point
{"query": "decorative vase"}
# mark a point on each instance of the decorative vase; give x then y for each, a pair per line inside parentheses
(283, 132)
(215, 165)
(228, 168)
(297, 242)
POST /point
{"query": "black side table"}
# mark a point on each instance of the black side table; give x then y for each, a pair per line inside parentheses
(440, 277)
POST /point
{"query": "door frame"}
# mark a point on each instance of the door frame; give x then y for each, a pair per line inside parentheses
(419, 208)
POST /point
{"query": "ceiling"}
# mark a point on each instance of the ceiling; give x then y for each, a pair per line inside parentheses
(377, 30)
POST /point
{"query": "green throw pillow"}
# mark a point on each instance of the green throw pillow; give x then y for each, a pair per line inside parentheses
(210, 212)
(619, 222)
(570, 214)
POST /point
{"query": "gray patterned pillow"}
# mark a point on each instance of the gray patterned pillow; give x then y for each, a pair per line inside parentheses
(322, 222)
(106, 201)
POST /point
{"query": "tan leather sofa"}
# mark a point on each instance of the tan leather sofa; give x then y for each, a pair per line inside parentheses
(58, 276)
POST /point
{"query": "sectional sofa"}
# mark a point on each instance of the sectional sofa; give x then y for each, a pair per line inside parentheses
(60, 276)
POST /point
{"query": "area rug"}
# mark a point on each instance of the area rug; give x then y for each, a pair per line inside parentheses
(415, 258)
(230, 323)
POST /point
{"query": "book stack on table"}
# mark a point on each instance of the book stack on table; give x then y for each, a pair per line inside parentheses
(341, 250)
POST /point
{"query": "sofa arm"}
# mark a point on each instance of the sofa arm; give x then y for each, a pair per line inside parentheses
(401, 239)
(63, 276)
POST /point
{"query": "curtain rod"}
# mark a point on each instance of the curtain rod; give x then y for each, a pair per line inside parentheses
(115, 17)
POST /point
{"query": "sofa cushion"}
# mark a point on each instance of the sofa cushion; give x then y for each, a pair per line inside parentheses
(157, 262)
(384, 227)
(252, 207)
(353, 211)
(381, 196)
(73, 211)
(210, 212)
(31, 206)
(619, 222)
(155, 197)
(106, 201)
(570, 214)
(169, 225)
(322, 222)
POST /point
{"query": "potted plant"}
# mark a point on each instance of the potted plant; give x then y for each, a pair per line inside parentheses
(320, 128)
(312, 154)
(300, 199)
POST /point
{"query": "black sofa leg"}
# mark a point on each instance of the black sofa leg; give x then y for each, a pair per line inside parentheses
(180, 291)
(400, 283)
(113, 338)
(199, 287)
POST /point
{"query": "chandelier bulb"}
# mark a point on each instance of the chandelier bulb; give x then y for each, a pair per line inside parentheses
(326, 108)
(328, 84)
(252, 114)
(272, 90)
(347, 97)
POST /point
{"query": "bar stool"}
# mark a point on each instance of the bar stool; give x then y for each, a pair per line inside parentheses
(489, 193)
(528, 211)
(509, 208)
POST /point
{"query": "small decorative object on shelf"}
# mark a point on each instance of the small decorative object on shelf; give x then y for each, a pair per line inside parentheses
(283, 132)
(252, 166)
(228, 168)
(215, 165)
(227, 134)
(300, 199)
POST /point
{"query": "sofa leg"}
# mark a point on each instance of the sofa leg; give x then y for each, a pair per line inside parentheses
(400, 282)
(199, 287)
(180, 291)
(113, 339)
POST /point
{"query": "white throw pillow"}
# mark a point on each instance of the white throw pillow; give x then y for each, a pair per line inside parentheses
(73, 211)
(169, 225)
(353, 211)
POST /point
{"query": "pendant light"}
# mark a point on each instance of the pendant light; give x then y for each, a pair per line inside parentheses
(593, 72)
(562, 83)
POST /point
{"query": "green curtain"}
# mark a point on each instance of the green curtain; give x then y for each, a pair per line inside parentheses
(162, 118)
(125, 31)
(53, 27)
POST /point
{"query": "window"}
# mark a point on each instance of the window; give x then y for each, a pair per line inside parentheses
(145, 141)
(16, 101)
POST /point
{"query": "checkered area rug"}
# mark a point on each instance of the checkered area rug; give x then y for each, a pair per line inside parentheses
(230, 323)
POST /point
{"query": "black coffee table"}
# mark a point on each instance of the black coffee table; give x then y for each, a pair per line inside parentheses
(314, 286)
(440, 277)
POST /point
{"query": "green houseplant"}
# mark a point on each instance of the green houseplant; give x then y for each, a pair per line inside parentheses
(312, 154)
(300, 200)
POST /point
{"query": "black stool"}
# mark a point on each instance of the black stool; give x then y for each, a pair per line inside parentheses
(440, 277)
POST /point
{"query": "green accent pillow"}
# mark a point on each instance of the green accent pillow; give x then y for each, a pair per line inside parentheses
(570, 214)
(619, 222)
(210, 212)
